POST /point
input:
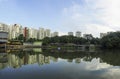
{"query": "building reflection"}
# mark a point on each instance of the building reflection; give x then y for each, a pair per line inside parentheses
(18, 58)
(3, 60)
(16, 61)
(13, 61)
(77, 60)
(70, 60)
(54, 59)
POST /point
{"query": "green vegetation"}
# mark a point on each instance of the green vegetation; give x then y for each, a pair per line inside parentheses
(111, 40)
(31, 40)
(69, 39)
(21, 38)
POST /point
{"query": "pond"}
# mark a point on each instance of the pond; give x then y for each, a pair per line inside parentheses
(52, 64)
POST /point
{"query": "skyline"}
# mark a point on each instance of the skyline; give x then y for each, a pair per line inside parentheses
(87, 16)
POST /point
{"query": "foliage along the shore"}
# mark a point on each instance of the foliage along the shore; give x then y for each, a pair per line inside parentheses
(111, 40)
(69, 39)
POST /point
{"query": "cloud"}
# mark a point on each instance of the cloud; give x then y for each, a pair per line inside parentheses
(104, 70)
(94, 16)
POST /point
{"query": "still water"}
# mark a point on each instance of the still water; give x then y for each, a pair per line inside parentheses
(51, 64)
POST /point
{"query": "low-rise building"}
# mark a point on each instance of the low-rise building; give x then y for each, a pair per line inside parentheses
(3, 37)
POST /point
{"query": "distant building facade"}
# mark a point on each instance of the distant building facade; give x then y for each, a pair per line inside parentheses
(47, 33)
(41, 33)
(15, 30)
(3, 37)
(3, 27)
(78, 34)
(54, 34)
(109, 32)
(70, 34)
(88, 36)
(26, 33)
(33, 33)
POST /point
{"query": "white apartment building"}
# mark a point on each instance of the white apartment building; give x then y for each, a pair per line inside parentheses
(87, 36)
(41, 33)
(54, 34)
(78, 34)
(3, 27)
(70, 34)
(47, 33)
(10, 32)
(32, 33)
(15, 30)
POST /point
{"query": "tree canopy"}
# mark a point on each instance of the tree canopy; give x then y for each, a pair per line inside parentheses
(70, 39)
(111, 40)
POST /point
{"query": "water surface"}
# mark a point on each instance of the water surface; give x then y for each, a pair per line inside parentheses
(51, 64)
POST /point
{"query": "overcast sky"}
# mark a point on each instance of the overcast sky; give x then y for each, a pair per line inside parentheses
(87, 16)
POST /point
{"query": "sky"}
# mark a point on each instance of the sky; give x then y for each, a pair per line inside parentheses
(87, 16)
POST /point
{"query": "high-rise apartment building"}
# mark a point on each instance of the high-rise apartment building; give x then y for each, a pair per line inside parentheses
(33, 33)
(70, 34)
(15, 30)
(3, 27)
(10, 33)
(41, 33)
(54, 34)
(78, 34)
(25, 33)
(88, 36)
(47, 33)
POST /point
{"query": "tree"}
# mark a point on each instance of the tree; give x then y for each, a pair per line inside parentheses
(67, 39)
(20, 38)
(111, 40)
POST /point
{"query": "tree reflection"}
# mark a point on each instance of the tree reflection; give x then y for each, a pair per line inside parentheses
(17, 58)
(111, 57)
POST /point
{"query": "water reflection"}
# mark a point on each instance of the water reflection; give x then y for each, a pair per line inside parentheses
(17, 58)
(3, 60)
(46, 64)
